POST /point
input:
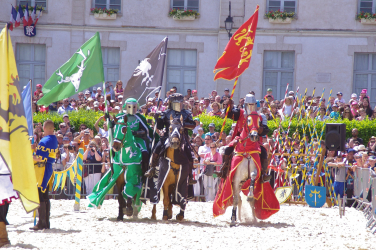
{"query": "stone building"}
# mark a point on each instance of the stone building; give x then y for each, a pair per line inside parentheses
(324, 46)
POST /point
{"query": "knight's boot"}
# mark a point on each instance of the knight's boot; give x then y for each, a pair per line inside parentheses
(129, 208)
(154, 163)
(225, 167)
(250, 196)
(48, 207)
(3, 235)
(42, 217)
(264, 171)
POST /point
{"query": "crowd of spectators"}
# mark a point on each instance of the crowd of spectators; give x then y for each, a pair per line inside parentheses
(208, 144)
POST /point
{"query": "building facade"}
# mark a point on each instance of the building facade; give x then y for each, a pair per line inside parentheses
(324, 46)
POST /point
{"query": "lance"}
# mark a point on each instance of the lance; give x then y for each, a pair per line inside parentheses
(278, 129)
(110, 127)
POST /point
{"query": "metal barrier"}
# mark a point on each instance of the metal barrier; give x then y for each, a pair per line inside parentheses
(200, 181)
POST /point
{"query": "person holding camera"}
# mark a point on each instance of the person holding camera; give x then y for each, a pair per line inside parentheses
(92, 159)
(83, 139)
(67, 157)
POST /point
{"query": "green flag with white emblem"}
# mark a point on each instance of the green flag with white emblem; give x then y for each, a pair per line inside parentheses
(83, 70)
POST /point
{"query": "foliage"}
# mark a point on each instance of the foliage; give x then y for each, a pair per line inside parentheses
(103, 10)
(31, 8)
(177, 13)
(367, 128)
(280, 14)
(366, 15)
(76, 118)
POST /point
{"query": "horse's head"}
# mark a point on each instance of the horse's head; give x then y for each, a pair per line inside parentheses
(120, 130)
(176, 132)
(253, 125)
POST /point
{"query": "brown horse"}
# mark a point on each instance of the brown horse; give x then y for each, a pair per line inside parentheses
(173, 177)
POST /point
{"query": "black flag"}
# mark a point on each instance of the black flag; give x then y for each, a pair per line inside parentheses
(148, 76)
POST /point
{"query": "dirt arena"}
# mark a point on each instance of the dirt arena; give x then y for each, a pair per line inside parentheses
(293, 227)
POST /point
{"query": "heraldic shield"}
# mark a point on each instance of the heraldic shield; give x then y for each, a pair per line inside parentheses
(315, 196)
(283, 194)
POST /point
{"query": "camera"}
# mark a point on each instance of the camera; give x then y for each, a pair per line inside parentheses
(92, 149)
(70, 147)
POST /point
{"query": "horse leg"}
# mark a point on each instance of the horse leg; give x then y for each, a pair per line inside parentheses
(250, 196)
(240, 206)
(120, 186)
(166, 200)
(235, 186)
(169, 212)
(153, 212)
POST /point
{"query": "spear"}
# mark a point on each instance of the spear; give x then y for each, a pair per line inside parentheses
(279, 127)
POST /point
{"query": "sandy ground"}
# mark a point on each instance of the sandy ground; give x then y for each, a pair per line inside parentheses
(293, 227)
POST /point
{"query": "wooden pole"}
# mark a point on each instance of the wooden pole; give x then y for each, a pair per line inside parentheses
(320, 165)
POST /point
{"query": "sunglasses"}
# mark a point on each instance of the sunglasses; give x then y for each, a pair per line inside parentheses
(62, 126)
(60, 103)
(207, 139)
(212, 147)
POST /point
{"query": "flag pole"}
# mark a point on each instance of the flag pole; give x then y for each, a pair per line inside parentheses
(109, 128)
(228, 106)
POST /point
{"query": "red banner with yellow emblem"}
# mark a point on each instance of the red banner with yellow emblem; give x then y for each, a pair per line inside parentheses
(237, 55)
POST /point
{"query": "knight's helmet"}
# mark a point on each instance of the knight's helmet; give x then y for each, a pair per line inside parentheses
(250, 103)
(131, 106)
(175, 102)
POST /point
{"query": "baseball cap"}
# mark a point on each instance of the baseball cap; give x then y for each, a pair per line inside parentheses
(200, 128)
(354, 103)
(194, 91)
(65, 115)
(60, 136)
(269, 89)
(99, 88)
(351, 150)
(354, 95)
(97, 137)
(196, 119)
(66, 138)
(120, 96)
(364, 91)
(89, 99)
(94, 88)
(117, 108)
(335, 105)
(339, 93)
(96, 104)
(39, 86)
(226, 89)
(87, 92)
(150, 99)
(211, 125)
(206, 98)
(291, 92)
(372, 157)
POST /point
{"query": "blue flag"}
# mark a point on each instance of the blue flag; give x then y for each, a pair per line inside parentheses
(26, 99)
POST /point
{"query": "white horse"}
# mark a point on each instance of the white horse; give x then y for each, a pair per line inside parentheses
(246, 169)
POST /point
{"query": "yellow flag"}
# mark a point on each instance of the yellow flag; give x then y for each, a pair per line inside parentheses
(14, 139)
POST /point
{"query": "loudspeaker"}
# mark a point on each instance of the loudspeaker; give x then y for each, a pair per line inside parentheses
(335, 136)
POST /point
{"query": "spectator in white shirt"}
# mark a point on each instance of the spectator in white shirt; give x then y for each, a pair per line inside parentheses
(94, 92)
(339, 99)
(67, 157)
(103, 132)
(197, 121)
